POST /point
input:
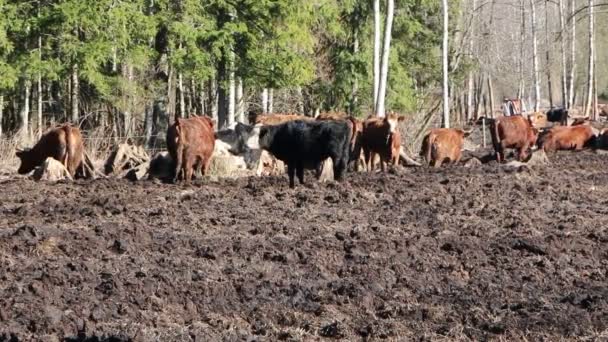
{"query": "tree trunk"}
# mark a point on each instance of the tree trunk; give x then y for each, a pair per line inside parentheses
(149, 125)
(446, 95)
(271, 101)
(377, 32)
(231, 92)
(354, 100)
(563, 53)
(535, 58)
(39, 90)
(129, 100)
(386, 49)
(479, 95)
(214, 99)
(470, 77)
(25, 110)
(591, 64)
(75, 94)
(265, 100)
(596, 113)
(182, 98)
(491, 95)
(222, 93)
(1, 114)
(572, 75)
(522, 45)
(202, 99)
(548, 56)
(240, 101)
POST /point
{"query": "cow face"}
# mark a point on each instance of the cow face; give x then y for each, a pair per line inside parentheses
(266, 137)
(28, 161)
(392, 119)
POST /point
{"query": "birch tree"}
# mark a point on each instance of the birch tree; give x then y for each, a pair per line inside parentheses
(377, 34)
(390, 11)
(591, 62)
(446, 96)
(537, 98)
(562, 44)
(572, 76)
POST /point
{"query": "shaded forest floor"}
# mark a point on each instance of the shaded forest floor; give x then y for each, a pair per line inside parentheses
(456, 253)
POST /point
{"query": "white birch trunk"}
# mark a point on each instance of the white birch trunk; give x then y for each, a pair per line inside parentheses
(202, 98)
(548, 56)
(25, 110)
(572, 56)
(591, 65)
(271, 101)
(240, 101)
(470, 80)
(444, 49)
(563, 53)
(180, 90)
(231, 92)
(377, 33)
(1, 113)
(265, 100)
(75, 94)
(522, 45)
(535, 58)
(386, 49)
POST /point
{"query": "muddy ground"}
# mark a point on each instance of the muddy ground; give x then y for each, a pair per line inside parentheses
(417, 254)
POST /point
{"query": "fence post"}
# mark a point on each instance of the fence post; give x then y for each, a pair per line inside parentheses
(483, 122)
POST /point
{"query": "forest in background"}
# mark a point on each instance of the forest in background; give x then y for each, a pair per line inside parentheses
(130, 67)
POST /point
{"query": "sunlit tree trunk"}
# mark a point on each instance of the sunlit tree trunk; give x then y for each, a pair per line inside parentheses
(271, 100)
(231, 92)
(265, 100)
(591, 62)
(355, 88)
(537, 98)
(377, 33)
(75, 94)
(548, 56)
(39, 90)
(240, 101)
(572, 76)
(390, 11)
(446, 95)
(522, 45)
(1, 114)
(470, 80)
(563, 53)
(25, 110)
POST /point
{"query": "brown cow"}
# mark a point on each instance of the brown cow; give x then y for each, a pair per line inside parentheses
(63, 143)
(443, 144)
(356, 132)
(512, 132)
(568, 138)
(190, 143)
(277, 119)
(381, 136)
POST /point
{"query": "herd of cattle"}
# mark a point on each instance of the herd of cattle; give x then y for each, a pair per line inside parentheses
(306, 143)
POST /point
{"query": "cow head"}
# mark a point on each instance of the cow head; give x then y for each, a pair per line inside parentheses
(266, 136)
(28, 161)
(392, 120)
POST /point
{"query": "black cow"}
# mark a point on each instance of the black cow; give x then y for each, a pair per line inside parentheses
(305, 144)
(558, 115)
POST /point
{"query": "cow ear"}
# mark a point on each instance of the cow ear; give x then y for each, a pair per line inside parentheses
(19, 154)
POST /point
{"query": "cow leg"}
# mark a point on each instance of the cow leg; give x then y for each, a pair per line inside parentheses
(300, 173)
(178, 163)
(291, 171)
(367, 160)
(319, 170)
(188, 170)
(438, 161)
(339, 166)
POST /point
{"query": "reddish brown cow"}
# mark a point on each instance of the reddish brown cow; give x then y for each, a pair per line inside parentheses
(443, 144)
(277, 119)
(63, 143)
(568, 138)
(190, 143)
(512, 132)
(381, 136)
(356, 132)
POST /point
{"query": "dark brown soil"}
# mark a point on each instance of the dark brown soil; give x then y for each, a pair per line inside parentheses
(457, 253)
